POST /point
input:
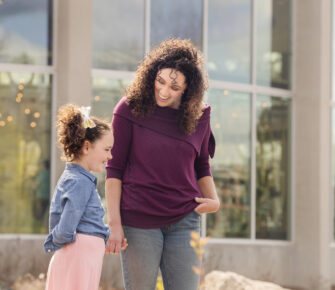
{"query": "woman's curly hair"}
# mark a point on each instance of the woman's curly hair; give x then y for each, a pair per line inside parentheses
(72, 134)
(183, 56)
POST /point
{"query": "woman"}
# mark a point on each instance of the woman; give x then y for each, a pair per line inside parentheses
(159, 180)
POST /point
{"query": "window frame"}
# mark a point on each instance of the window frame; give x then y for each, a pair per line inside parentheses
(52, 71)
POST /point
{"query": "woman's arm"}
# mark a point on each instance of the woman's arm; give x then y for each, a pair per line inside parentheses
(122, 129)
(116, 242)
(209, 201)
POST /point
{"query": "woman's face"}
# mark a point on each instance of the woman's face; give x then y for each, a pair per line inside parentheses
(170, 85)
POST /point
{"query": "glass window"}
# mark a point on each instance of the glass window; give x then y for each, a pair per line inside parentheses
(230, 123)
(229, 40)
(25, 32)
(273, 41)
(118, 34)
(333, 51)
(106, 94)
(273, 168)
(176, 18)
(25, 123)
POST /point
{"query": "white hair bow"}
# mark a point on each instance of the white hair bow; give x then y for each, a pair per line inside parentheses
(88, 122)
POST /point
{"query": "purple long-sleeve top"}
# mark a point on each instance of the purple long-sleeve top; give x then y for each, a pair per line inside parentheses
(158, 165)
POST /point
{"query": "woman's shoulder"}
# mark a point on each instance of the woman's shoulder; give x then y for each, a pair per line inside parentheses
(205, 111)
(122, 106)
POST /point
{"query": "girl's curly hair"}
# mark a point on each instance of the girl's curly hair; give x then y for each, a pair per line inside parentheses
(72, 134)
(183, 56)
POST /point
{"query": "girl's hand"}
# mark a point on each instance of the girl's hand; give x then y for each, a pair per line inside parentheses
(116, 242)
(206, 205)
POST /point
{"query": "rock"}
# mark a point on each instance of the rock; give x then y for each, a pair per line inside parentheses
(217, 280)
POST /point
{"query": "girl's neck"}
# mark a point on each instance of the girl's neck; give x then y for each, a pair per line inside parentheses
(82, 163)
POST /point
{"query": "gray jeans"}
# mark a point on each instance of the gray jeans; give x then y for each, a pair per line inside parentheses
(167, 248)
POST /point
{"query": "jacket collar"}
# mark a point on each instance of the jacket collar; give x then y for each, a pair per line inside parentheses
(82, 170)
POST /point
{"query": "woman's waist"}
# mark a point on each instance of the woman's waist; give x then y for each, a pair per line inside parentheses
(158, 203)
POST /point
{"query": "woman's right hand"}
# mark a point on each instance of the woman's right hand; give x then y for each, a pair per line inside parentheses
(116, 242)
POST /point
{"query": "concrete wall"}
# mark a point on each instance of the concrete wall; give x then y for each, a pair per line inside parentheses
(272, 263)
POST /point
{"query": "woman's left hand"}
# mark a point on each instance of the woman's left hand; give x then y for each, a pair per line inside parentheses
(206, 205)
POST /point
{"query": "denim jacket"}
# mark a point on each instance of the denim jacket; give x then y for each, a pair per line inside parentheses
(75, 208)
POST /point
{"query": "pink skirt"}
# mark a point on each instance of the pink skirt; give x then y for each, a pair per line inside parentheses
(78, 265)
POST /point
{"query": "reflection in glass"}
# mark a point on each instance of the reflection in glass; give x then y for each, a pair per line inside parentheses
(26, 32)
(106, 94)
(230, 123)
(273, 39)
(273, 168)
(118, 34)
(176, 18)
(229, 40)
(25, 113)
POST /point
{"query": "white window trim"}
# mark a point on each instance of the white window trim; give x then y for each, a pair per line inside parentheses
(112, 74)
(25, 68)
(331, 154)
(54, 97)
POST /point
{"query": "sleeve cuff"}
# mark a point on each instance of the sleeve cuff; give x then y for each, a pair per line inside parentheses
(203, 173)
(113, 173)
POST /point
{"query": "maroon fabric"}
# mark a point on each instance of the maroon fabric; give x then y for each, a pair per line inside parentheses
(158, 164)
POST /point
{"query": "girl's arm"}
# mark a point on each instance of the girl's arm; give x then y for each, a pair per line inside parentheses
(75, 199)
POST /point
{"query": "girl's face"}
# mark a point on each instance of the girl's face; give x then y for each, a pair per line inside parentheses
(170, 85)
(97, 154)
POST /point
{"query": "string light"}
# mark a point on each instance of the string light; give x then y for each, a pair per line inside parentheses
(27, 111)
(264, 105)
(225, 92)
(2, 123)
(0, 115)
(9, 118)
(37, 115)
(21, 87)
(97, 98)
(217, 126)
(33, 124)
(18, 100)
(19, 95)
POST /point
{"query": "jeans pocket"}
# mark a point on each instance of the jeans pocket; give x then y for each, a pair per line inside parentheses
(191, 221)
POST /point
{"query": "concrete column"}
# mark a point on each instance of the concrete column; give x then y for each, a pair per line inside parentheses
(73, 56)
(312, 213)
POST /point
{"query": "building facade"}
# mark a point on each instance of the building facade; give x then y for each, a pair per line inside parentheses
(270, 76)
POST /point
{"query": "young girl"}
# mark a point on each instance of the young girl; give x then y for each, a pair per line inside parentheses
(77, 232)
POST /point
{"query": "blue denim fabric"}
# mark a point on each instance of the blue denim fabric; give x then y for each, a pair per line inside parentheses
(75, 208)
(167, 248)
